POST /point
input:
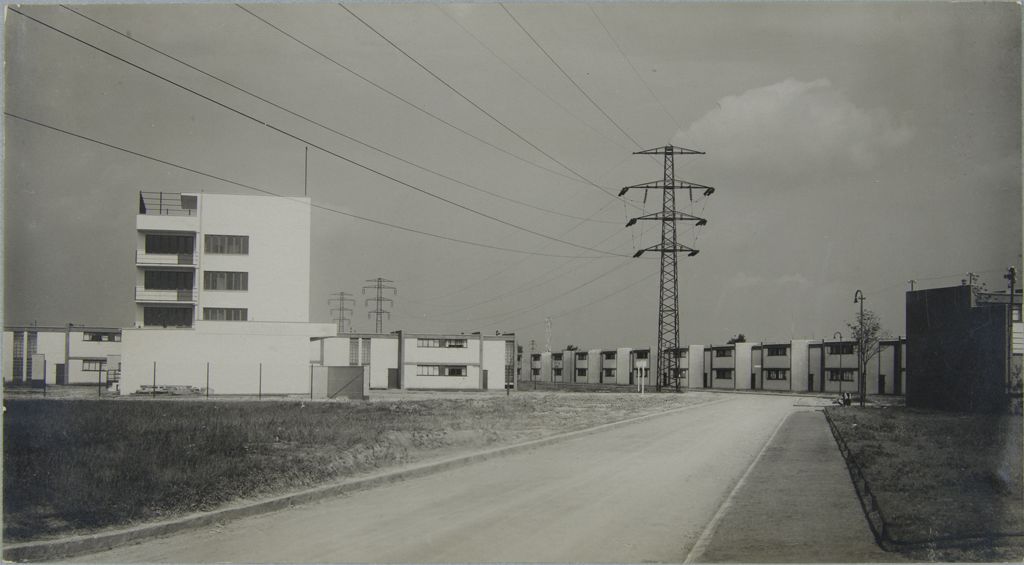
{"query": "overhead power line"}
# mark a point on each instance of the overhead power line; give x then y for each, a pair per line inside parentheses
(632, 66)
(477, 106)
(522, 76)
(566, 75)
(322, 125)
(591, 303)
(305, 141)
(407, 102)
(272, 193)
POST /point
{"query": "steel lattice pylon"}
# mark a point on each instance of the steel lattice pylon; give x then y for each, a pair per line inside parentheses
(668, 290)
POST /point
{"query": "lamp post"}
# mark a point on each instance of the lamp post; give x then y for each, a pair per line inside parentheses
(859, 297)
(839, 335)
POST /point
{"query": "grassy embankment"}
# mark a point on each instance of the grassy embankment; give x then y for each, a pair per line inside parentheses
(942, 477)
(78, 466)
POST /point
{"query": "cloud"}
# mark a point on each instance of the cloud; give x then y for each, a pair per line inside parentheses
(795, 130)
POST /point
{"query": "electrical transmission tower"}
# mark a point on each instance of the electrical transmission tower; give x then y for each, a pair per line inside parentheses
(380, 286)
(339, 303)
(668, 294)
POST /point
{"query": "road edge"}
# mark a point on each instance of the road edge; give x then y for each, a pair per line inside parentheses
(93, 543)
(701, 545)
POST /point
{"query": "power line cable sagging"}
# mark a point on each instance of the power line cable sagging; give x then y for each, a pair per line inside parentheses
(302, 140)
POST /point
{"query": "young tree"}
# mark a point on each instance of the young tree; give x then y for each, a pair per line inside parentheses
(867, 331)
(740, 338)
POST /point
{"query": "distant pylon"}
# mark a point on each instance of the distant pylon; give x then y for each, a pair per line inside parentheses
(339, 302)
(547, 335)
(379, 300)
(668, 294)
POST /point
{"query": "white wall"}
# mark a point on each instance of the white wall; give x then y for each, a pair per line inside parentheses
(695, 366)
(278, 261)
(234, 352)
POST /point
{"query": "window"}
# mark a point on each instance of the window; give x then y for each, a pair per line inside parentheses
(226, 314)
(776, 374)
(723, 353)
(535, 357)
(227, 244)
(169, 280)
(609, 355)
(641, 354)
(365, 350)
(167, 316)
(723, 373)
(440, 342)
(535, 371)
(353, 351)
(608, 373)
(94, 364)
(225, 280)
(581, 356)
(840, 349)
(33, 344)
(778, 351)
(441, 370)
(101, 336)
(840, 374)
(166, 244)
(581, 372)
(681, 353)
(19, 355)
(557, 371)
(556, 356)
(510, 365)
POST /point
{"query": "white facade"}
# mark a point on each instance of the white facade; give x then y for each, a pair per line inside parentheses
(222, 295)
(424, 361)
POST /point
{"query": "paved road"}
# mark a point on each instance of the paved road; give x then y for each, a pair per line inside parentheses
(642, 492)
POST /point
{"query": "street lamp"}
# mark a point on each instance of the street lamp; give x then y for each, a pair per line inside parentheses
(839, 336)
(859, 297)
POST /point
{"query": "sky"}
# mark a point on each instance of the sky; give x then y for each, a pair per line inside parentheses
(852, 146)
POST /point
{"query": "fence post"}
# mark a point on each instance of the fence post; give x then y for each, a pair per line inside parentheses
(207, 379)
(153, 393)
(311, 381)
(259, 393)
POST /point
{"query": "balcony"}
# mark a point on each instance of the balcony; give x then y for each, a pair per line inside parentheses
(165, 259)
(159, 295)
(167, 204)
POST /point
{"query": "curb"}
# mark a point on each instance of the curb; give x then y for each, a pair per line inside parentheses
(92, 543)
(876, 520)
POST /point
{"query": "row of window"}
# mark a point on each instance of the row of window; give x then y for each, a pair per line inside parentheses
(183, 280)
(170, 316)
(101, 336)
(435, 342)
(168, 244)
(355, 347)
(441, 370)
(776, 374)
(845, 375)
(226, 314)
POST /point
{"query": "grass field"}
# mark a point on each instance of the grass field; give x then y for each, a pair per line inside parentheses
(942, 475)
(73, 466)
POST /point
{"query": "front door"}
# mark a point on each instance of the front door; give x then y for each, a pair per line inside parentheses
(753, 381)
(810, 382)
(897, 385)
(392, 378)
(881, 384)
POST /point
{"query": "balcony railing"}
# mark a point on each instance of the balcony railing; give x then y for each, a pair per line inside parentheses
(183, 259)
(167, 204)
(175, 295)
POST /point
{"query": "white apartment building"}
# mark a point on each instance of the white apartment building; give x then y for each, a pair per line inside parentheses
(413, 361)
(221, 294)
(62, 355)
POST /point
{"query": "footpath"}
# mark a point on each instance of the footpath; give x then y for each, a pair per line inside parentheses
(796, 505)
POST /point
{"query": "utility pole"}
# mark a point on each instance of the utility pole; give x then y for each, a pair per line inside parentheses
(1011, 278)
(339, 302)
(380, 285)
(668, 293)
(547, 335)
